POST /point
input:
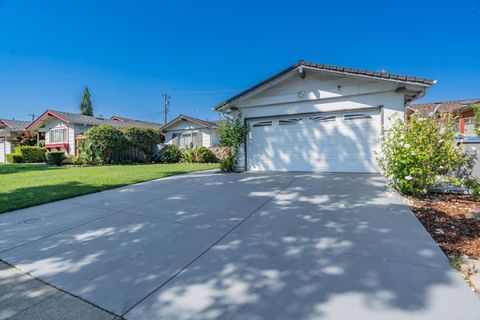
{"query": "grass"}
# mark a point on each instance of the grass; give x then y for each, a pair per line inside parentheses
(26, 185)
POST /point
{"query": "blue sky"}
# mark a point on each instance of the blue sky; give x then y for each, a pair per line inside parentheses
(202, 52)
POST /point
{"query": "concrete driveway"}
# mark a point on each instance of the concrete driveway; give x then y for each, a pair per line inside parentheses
(241, 246)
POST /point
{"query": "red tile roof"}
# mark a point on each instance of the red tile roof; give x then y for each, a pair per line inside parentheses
(442, 107)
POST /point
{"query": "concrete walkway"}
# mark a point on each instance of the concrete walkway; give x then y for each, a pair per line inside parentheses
(241, 246)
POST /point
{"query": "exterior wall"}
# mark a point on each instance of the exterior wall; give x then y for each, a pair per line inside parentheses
(70, 144)
(209, 136)
(321, 93)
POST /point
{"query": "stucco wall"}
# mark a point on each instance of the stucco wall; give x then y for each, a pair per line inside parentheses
(209, 136)
(321, 93)
(56, 123)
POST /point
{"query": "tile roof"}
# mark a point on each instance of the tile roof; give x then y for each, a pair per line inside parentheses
(15, 124)
(442, 107)
(208, 124)
(330, 68)
(96, 121)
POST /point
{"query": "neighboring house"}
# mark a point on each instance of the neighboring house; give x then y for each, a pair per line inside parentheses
(185, 131)
(64, 130)
(461, 108)
(316, 117)
(9, 129)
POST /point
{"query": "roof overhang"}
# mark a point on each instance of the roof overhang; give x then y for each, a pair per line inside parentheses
(40, 121)
(186, 119)
(6, 124)
(420, 84)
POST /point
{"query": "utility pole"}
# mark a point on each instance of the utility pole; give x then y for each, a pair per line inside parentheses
(166, 102)
(32, 115)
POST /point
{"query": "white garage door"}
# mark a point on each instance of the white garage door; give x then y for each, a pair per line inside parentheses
(336, 142)
(2, 149)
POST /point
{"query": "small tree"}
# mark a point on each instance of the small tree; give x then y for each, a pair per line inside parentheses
(86, 104)
(24, 138)
(232, 134)
(145, 139)
(416, 152)
(476, 118)
(104, 140)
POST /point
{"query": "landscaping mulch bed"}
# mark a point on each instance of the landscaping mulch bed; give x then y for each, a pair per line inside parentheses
(444, 218)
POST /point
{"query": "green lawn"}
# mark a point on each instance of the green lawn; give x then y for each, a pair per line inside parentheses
(25, 185)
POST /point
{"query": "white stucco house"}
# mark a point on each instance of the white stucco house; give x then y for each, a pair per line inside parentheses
(185, 131)
(64, 130)
(9, 129)
(316, 117)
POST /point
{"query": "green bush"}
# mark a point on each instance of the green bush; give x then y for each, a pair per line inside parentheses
(190, 155)
(104, 140)
(14, 158)
(169, 154)
(227, 164)
(206, 155)
(416, 152)
(146, 139)
(55, 157)
(31, 154)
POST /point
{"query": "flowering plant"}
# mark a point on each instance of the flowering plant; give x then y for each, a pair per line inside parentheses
(416, 152)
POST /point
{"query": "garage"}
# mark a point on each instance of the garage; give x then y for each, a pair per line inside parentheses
(322, 142)
(320, 118)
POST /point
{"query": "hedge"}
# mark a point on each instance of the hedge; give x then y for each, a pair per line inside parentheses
(14, 158)
(31, 154)
(55, 157)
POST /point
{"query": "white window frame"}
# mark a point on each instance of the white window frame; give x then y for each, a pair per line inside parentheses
(357, 116)
(265, 123)
(289, 121)
(324, 118)
(52, 132)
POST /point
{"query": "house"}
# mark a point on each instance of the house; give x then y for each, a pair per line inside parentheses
(9, 129)
(185, 131)
(64, 130)
(463, 109)
(317, 117)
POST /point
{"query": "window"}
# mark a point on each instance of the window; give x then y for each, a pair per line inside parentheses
(188, 139)
(58, 135)
(323, 118)
(262, 124)
(355, 116)
(286, 122)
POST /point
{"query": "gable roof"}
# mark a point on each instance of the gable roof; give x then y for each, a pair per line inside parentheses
(182, 117)
(93, 121)
(15, 124)
(335, 69)
(442, 107)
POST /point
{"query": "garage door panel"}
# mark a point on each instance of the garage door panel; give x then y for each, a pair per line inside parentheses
(341, 145)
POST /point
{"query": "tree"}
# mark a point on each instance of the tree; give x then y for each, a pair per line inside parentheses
(416, 152)
(86, 104)
(104, 140)
(146, 139)
(24, 138)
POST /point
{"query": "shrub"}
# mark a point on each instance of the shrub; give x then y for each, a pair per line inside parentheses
(169, 154)
(25, 138)
(31, 154)
(416, 152)
(14, 158)
(227, 164)
(206, 155)
(190, 155)
(146, 139)
(104, 140)
(232, 134)
(55, 157)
